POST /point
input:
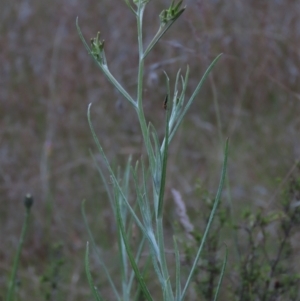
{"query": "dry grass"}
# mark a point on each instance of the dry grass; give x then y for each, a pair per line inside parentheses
(47, 80)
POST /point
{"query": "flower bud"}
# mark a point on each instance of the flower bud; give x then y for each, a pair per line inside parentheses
(28, 201)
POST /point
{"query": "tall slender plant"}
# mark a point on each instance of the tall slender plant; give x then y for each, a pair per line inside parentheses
(147, 213)
(28, 202)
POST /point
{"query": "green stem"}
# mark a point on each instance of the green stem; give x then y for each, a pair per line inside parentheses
(139, 108)
(162, 260)
(12, 281)
(140, 14)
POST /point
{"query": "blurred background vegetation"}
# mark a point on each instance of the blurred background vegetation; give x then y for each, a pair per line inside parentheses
(47, 80)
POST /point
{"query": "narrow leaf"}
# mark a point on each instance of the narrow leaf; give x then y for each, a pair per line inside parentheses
(211, 217)
(97, 251)
(105, 69)
(94, 290)
(134, 266)
(105, 182)
(222, 274)
(191, 100)
(161, 32)
(164, 169)
(100, 149)
(177, 271)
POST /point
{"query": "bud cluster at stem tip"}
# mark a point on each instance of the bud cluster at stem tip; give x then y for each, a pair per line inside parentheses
(172, 13)
(97, 46)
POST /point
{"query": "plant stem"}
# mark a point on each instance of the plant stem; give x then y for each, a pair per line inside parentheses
(12, 281)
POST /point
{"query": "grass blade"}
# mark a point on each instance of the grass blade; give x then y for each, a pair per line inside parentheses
(100, 149)
(178, 276)
(97, 252)
(94, 290)
(143, 203)
(167, 288)
(104, 181)
(222, 273)
(211, 217)
(191, 100)
(164, 169)
(134, 266)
